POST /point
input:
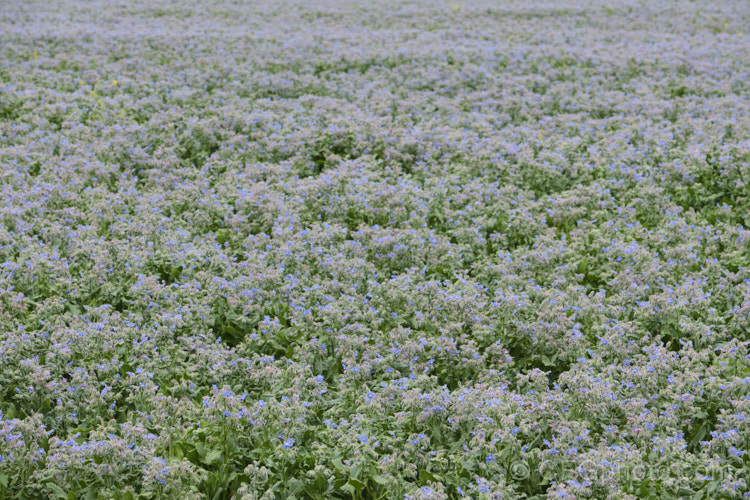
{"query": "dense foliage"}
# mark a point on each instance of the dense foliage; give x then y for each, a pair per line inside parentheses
(355, 249)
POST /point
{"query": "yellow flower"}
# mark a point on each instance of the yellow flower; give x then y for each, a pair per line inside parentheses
(114, 82)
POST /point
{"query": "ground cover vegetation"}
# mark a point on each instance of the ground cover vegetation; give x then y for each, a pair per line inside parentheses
(374, 250)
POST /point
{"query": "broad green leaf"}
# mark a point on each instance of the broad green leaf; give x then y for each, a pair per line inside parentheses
(380, 480)
(295, 485)
(213, 457)
(349, 489)
(357, 484)
(340, 465)
(58, 491)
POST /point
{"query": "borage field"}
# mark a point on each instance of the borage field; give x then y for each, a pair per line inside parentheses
(374, 250)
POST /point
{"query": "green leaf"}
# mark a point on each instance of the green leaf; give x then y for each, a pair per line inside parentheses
(684, 492)
(340, 465)
(357, 484)
(349, 489)
(295, 485)
(713, 487)
(59, 492)
(200, 448)
(427, 477)
(213, 457)
(380, 480)
(468, 465)
(583, 266)
(222, 236)
(645, 487)
(699, 434)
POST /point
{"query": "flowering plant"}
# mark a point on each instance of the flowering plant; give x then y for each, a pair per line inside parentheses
(374, 249)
